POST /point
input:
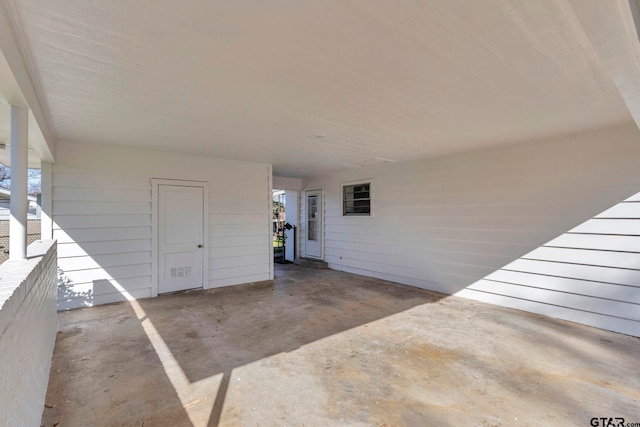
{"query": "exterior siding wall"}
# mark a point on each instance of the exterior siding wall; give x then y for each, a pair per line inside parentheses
(482, 225)
(28, 327)
(102, 219)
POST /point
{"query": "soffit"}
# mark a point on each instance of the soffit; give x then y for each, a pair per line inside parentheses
(309, 86)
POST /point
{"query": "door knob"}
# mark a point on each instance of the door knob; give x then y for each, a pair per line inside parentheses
(199, 246)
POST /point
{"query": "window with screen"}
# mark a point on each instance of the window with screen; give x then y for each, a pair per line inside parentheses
(356, 199)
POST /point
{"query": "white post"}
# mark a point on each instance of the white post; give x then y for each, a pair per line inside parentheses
(46, 216)
(19, 165)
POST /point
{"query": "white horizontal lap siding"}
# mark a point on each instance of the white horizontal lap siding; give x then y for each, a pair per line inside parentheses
(239, 220)
(104, 235)
(103, 220)
(541, 226)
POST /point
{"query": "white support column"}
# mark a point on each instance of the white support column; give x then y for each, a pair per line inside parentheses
(46, 215)
(19, 165)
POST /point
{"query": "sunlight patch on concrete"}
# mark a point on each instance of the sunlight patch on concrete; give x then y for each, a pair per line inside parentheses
(196, 398)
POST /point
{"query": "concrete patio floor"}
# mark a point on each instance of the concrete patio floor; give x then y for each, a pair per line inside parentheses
(324, 348)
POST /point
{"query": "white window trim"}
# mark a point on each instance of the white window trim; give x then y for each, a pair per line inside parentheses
(303, 220)
(371, 197)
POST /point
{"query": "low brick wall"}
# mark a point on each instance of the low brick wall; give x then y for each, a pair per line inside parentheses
(33, 234)
(28, 326)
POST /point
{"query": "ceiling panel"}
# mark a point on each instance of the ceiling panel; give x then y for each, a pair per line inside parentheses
(310, 86)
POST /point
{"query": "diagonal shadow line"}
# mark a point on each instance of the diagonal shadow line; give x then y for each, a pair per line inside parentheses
(216, 412)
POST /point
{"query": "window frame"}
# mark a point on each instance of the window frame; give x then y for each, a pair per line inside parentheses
(345, 185)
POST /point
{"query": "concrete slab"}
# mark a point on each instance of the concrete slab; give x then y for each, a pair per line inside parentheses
(325, 348)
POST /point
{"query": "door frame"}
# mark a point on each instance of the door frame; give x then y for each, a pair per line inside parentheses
(305, 217)
(155, 228)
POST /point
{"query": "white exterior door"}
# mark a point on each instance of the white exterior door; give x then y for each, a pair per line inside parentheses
(180, 237)
(314, 234)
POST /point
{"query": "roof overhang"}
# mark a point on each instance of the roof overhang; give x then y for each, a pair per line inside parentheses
(18, 86)
(613, 30)
(312, 87)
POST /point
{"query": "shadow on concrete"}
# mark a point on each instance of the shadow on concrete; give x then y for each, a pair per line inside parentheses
(97, 350)
(170, 360)
(213, 332)
(204, 335)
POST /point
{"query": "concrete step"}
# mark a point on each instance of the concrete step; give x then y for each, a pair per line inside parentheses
(311, 263)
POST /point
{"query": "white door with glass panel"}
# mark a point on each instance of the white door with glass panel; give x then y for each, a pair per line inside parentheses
(313, 235)
(180, 237)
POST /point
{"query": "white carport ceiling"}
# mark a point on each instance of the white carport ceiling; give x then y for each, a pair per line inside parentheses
(312, 85)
